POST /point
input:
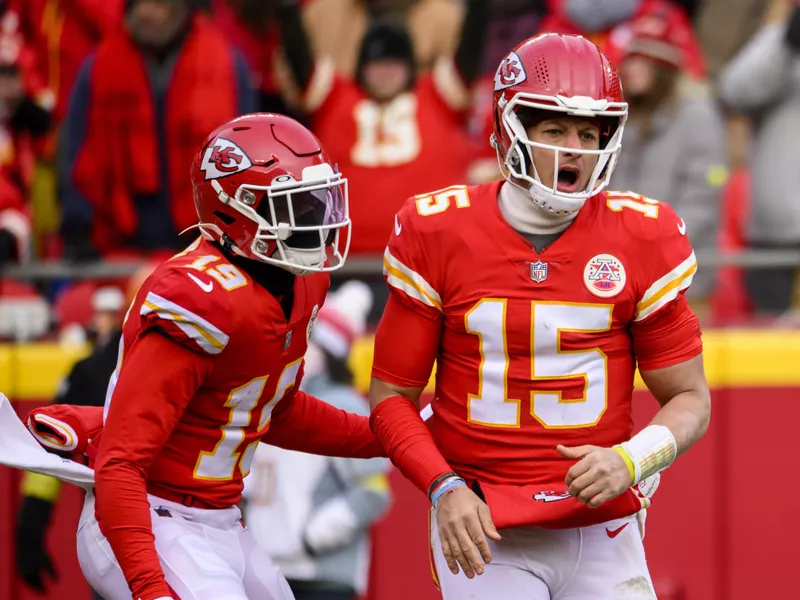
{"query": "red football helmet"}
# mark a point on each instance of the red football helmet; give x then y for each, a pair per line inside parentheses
(265, 188)
(565, 74)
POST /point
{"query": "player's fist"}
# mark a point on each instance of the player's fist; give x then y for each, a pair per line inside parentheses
(599, 475)
(464, 523)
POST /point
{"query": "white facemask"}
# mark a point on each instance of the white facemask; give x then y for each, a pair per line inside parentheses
(520, 152)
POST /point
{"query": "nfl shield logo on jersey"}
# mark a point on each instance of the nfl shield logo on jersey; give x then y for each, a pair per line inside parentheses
(538, 271)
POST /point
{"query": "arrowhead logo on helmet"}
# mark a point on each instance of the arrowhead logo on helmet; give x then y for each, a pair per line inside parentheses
(223, 158)
(510, 73)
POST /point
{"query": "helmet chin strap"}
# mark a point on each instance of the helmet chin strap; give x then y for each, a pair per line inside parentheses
(304, 258)
(548, 201)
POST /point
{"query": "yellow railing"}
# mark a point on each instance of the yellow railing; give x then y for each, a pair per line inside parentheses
(733, 357)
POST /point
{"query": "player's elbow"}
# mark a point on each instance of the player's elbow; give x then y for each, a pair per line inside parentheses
(112, 468)
(380, 390)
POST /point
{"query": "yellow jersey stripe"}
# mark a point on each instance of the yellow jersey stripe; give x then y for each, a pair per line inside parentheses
(668, 295)
(208, 337)
(401, 281)
(401, 271)
(667, 288)
(675, 273)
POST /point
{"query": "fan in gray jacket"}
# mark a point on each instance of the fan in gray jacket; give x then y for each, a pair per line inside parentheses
(674, 139)
(763, 81)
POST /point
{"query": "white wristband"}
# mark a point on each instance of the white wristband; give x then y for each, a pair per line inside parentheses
(651, 450)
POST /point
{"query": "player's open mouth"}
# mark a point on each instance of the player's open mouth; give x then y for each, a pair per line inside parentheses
(568, 179)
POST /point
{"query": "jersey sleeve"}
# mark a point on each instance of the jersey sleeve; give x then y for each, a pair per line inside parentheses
(409, 264)
(65, 428)
(408, 335)
(190, 308)
(665, 330)
(670, 265)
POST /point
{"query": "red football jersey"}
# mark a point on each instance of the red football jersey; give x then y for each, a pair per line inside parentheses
(413, 143)
(538, 349)
(203, 302)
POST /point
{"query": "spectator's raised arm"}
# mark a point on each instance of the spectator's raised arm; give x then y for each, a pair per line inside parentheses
(760, 73)
(296, 43)
(473, 34)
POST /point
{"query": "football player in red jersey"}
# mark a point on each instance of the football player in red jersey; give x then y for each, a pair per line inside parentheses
(209, 365)
(536, 296)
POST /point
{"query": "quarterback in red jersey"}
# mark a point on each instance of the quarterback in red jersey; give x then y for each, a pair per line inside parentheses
(536, 297)
(209, 364)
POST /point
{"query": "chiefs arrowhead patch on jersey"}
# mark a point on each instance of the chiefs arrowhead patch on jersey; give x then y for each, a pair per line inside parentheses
(509, 73)
(223, 158)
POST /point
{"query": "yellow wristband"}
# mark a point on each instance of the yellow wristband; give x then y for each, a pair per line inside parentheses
(628, 462)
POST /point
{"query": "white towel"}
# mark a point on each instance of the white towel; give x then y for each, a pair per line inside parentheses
(19, 449)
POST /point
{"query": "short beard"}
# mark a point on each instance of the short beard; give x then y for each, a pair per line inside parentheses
(162, 38)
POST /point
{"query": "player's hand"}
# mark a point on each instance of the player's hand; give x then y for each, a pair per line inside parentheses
(464, 524)
(600, 474)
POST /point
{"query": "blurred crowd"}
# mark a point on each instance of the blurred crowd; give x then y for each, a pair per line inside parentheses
(104, 102)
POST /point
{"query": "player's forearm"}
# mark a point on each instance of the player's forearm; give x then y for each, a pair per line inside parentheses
(686, 416)
(682, 391)
(307, 424)
(123, 513)
(400, 429)
(400, 372)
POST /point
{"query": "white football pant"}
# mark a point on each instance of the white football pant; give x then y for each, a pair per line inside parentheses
(601, 562)
(205, 555)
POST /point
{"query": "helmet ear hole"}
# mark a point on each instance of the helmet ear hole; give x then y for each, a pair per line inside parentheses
(608, 127)
(520, 159)
(224, 217)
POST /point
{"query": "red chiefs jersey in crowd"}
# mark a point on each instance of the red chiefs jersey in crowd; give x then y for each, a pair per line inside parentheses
(413, 143)
(537, 349)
